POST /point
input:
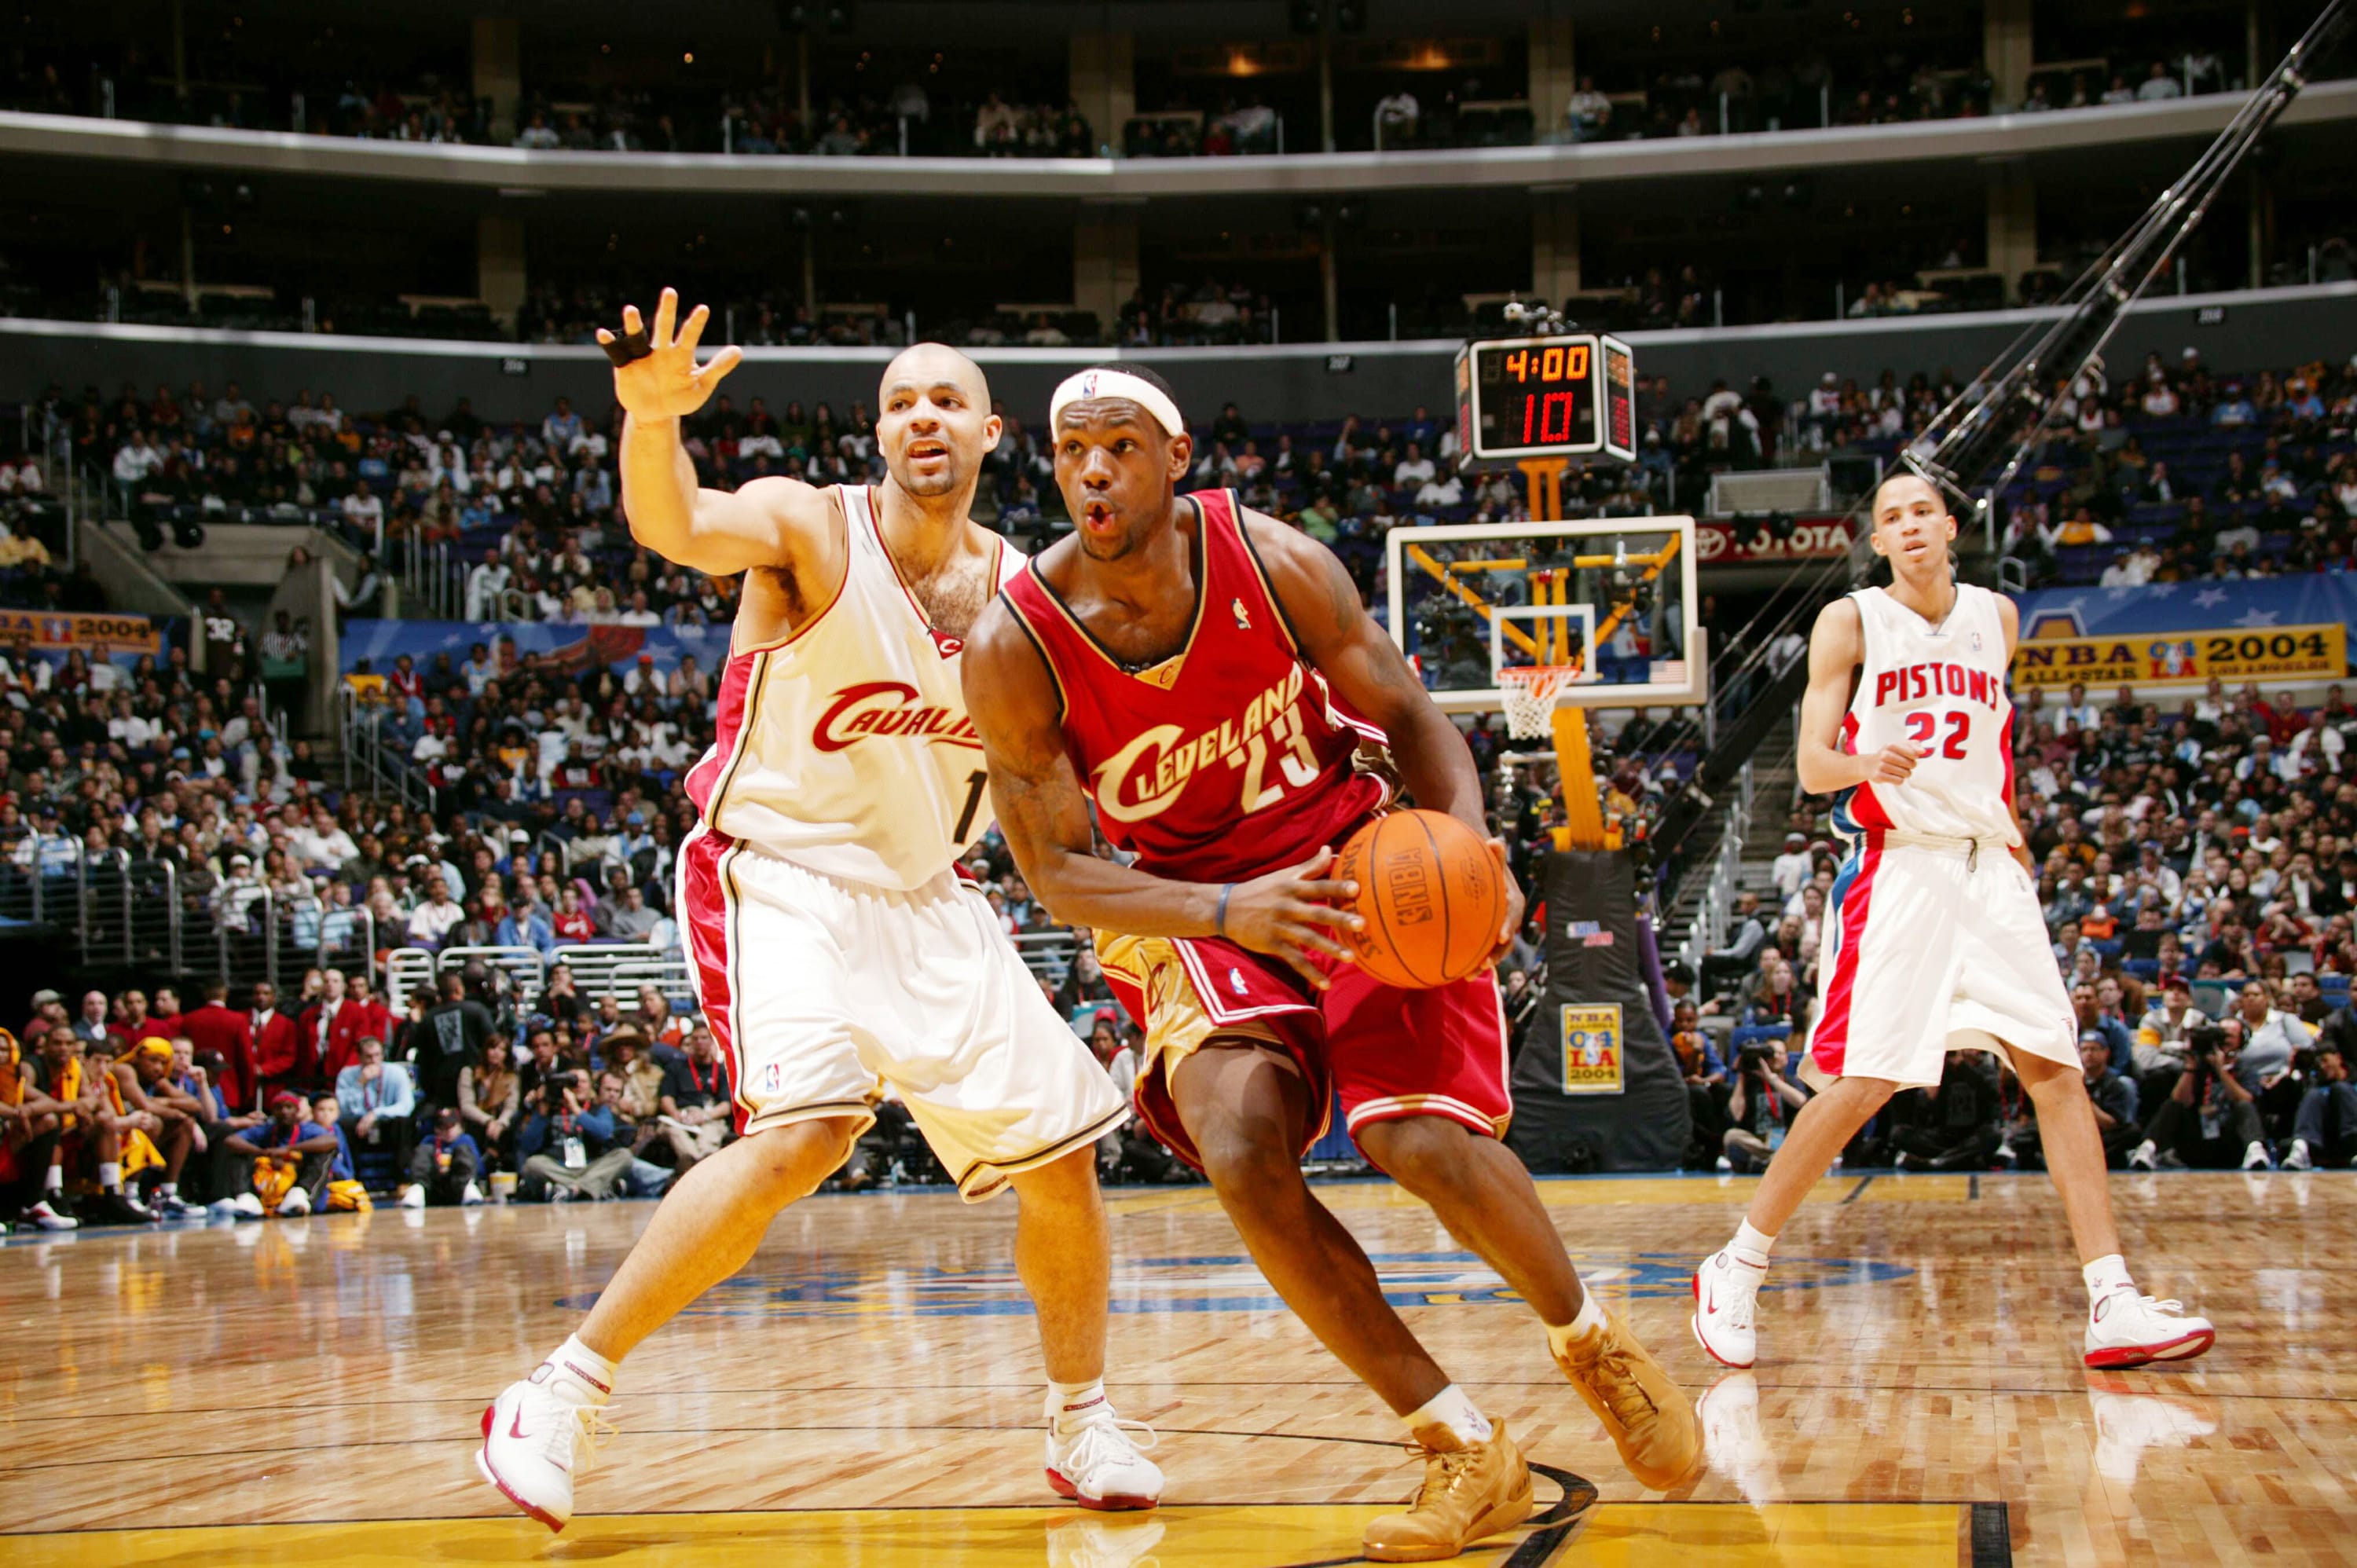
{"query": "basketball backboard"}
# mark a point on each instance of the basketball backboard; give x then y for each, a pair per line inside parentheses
(1613, 596)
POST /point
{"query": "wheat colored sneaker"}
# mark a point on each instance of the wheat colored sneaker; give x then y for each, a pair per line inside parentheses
(1647, 1415)
(1470, 1491)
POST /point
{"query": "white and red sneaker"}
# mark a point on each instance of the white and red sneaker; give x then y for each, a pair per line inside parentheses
(2127, 1328)
(539, 1435)
(1725, 1293)
(1097, 1465)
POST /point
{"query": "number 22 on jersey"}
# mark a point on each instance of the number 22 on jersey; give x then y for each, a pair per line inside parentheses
(1922, 726)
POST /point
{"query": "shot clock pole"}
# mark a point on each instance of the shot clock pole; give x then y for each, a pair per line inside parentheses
(1574, 764)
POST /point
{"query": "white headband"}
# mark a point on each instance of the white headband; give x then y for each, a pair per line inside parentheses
(1116, 383)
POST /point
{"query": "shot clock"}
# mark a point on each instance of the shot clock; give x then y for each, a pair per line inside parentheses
(1559, 396)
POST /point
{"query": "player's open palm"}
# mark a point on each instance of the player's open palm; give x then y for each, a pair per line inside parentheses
(655, 372)
(1291, 914)
(1892, 764)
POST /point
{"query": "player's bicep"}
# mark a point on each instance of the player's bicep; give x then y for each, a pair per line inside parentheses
(1013, 702)
(1834, 648)
(1337, 635)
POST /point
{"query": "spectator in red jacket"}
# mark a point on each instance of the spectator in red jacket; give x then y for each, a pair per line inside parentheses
(279, 1052)
(318, 1022)
(164, 1013)
(213, 1027)
(131, 1024)
(362, 1016)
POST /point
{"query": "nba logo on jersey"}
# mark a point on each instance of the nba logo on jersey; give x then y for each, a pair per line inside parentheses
(1236, 981)
(772, 1079)
(1243, 621)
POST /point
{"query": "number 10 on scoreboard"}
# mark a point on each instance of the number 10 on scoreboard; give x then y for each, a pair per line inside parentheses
(1565, 395)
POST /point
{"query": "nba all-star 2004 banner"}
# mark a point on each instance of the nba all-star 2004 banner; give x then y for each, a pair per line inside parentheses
(2187, 633)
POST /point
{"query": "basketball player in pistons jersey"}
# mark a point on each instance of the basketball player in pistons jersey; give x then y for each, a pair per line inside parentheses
(1935, 941)
(1207, 675)
(835, 950)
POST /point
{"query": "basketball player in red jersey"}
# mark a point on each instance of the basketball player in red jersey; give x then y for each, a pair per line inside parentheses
(1206, 675)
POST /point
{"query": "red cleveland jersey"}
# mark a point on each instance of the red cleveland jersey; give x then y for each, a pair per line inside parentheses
(1229, 759)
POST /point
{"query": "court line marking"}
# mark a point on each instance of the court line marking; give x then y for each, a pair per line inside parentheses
(1863, 1183)
(1572, 1487)
(1992, 1536)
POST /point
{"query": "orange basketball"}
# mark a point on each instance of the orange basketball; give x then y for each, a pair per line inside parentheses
(1432, 894)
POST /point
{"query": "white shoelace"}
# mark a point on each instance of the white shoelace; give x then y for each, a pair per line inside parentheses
(1102, 1439)
(2170, 1308)
(571, 1441)
(1741, 1297)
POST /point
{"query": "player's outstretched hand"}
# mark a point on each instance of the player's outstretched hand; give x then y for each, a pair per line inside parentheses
(1289, 912)
(1513, 923)
(665, 382)
(1893, 763)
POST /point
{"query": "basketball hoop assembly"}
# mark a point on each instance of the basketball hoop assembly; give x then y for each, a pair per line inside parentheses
(1528, 694)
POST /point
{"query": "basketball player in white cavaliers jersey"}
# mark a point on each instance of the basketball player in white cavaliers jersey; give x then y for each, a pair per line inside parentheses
(1935, 941)
(836, 951)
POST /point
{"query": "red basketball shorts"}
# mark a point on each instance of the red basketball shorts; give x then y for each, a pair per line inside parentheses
(1388, 1054)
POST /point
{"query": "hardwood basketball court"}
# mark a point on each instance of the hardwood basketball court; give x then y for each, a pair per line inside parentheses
(867, 1390)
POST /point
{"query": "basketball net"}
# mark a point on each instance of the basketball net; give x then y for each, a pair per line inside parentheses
(1528, 694)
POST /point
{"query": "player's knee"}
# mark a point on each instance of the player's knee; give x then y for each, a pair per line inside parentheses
(1240, 1158)
(1423, 1154)
(1865, 1096)
(790, 1161)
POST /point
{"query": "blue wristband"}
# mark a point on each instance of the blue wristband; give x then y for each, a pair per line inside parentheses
(1220, 920)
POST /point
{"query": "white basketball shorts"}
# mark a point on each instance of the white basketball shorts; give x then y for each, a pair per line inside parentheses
(823, 992)
(1931, 945)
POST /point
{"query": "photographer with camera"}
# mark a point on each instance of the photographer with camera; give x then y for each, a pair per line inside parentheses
(1760, 1106)
(2209, 1112)
(568, 1143)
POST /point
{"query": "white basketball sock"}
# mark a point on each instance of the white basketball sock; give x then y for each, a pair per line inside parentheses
(1589, 1322)
(1070, 1404)
(110, 1176)
(1450, 1408)
(2105, 1275)
(55, 1181)
(579, 1373)
(1751, 1246)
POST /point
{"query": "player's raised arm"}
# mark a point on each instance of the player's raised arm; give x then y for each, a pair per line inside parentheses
(1044, 813)
(720, 533)
(1835, 645)
(1368, 672)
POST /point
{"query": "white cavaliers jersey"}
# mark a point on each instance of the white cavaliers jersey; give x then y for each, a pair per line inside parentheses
(1942, 689)
(845, 748)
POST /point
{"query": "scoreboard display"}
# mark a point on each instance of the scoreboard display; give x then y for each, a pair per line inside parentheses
(1562, 396)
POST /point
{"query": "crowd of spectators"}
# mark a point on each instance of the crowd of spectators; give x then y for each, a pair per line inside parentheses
(555, 814)
(2175, 474)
